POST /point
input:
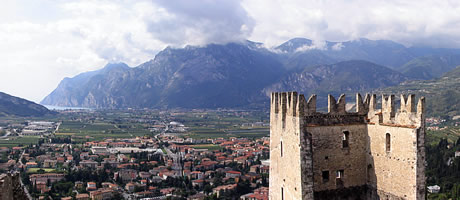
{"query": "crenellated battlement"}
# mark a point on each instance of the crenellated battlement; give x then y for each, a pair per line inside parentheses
(285, 103)
(292, 104)
(362, 107)
(336, 107)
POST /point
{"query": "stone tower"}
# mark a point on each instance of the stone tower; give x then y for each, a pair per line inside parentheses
(368, 154)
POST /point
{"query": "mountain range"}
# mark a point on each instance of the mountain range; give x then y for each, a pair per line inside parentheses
(236, 75)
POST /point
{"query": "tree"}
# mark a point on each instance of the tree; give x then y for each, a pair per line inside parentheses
(456, 191)
(207, 189)
(211, 197)
(443, 197)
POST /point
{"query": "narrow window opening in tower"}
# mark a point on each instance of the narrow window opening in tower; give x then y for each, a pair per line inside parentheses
(325, 176)
(282, 193)
(388, 142)
(281, 148)
(345, 139)
(339, 174)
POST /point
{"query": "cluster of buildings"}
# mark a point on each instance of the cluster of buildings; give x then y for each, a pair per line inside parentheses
(143, 167)
(31, 128)
(37, 128)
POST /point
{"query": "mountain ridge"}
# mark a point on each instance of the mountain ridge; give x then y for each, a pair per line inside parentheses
(11, 105)
(236, 74)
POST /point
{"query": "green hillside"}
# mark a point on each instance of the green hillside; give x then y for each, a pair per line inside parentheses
(442, 94)
(10, 105)
(430, 67)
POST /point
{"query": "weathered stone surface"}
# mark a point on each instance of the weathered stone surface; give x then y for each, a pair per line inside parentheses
(370, 154)
(11, 188)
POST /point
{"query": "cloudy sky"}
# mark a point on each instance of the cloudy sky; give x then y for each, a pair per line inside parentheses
(43, 41)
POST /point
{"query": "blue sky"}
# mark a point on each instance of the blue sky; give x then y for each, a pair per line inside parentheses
(43, 41)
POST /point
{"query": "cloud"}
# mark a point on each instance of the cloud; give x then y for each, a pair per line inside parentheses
(424, 22)
(38, 53)
(44, 41)
(200, 22)
(337, 47)
(316, 44)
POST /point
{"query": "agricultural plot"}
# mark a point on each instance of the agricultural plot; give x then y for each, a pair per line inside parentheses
(19, 141)
(36, 170)
(223, 124)
(451, 133)
(81, 131)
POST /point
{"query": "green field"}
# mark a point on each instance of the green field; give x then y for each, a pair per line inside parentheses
(81, 131)
(35, 170)
(17, 141)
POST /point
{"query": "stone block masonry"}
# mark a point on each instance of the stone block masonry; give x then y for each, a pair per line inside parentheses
(367, 154)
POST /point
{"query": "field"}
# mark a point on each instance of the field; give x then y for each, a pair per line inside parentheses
(35, 170)
(19, 141)
(83, 131)
(214, 124)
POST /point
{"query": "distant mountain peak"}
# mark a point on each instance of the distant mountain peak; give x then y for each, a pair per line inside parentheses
(293, 45)
(114, 66)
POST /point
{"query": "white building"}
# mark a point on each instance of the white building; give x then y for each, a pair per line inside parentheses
(434, 189)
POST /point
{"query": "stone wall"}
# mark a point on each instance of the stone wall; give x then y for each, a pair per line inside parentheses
(393, 171)
(330, 155)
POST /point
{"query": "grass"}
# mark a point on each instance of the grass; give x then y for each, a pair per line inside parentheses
(17, 141)
(35, 170)
(65, 134)
(99, 130)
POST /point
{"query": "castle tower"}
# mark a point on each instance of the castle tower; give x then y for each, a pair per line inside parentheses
(368, 154)
(290, 147)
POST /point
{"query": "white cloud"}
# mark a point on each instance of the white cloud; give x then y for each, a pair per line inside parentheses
(337, 47)
(36, 55)
(316, 44)
(41, 42)
(424, 22)
(200, 22)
